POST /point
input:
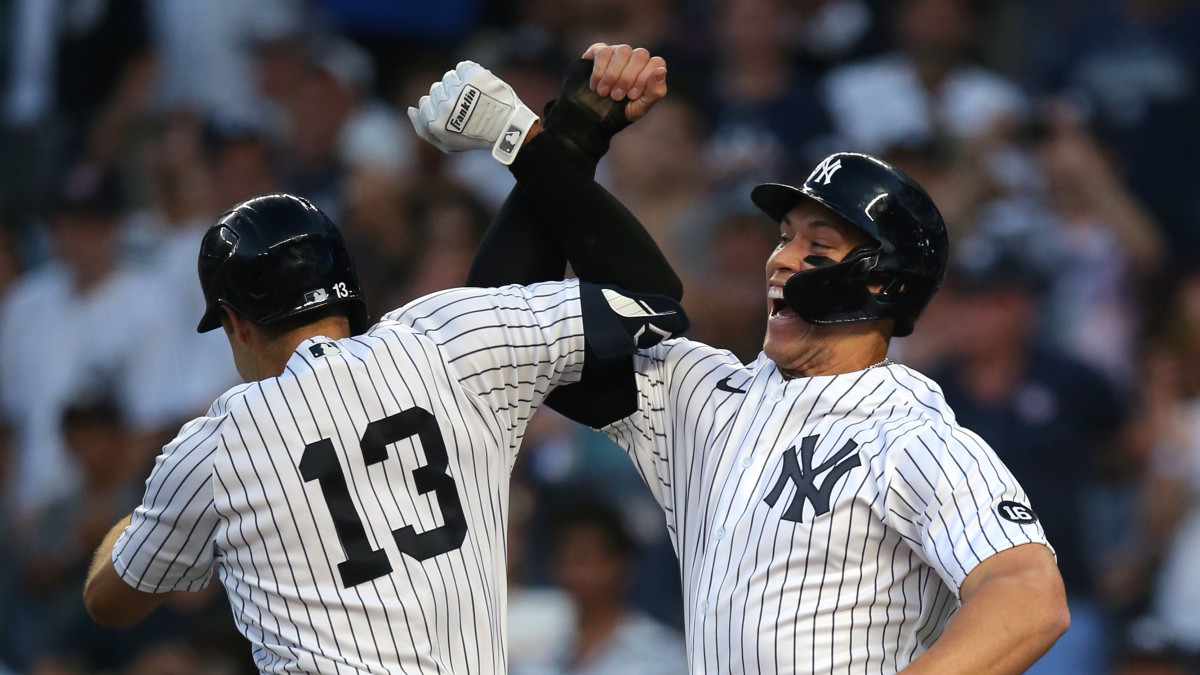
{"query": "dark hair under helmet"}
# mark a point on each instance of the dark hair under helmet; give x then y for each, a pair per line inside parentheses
(908, 256)
(274, 257)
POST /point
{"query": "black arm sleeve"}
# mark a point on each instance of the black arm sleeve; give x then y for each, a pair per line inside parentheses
(558, 213)
(604, 242)
(517, 247)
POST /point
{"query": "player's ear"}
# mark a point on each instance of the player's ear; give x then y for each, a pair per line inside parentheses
(236, 326)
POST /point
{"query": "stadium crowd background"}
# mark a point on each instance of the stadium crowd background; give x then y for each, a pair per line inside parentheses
(1060, 138)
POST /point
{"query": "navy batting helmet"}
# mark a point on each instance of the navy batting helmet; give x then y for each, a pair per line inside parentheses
(908, 257)
(274, 257)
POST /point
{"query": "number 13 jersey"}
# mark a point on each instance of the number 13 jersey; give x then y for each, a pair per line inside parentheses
(355, 508)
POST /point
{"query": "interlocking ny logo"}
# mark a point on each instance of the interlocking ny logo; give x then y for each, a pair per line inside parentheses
(803, 475)
(824, 172)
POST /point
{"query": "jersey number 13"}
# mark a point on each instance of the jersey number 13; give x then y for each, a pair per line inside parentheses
(320, 463)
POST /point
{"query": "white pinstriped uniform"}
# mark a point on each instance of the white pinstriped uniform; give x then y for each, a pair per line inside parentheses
(249, 489)
(771, 583)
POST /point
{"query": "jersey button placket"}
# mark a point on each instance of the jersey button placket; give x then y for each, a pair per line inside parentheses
(777, 395)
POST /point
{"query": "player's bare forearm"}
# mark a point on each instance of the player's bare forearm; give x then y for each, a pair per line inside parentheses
(109, 600)
(1013, 610)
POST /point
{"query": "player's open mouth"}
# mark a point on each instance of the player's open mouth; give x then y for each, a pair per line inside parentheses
(779, 307)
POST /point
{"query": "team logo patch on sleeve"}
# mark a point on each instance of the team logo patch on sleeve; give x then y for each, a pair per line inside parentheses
(1016, 512)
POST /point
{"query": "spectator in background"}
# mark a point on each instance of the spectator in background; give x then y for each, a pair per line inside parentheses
(1097, 245)
(207, 54)
(925, 90)
(833, 32)
(1052, 420)
(53, 558)
(665, 190)
(1135, 67)
(335, 128)
(81, 71)
(724, 298)
(765, 115)
(81, 318)
(450, 223)
(1171, 541)
(591, 559)
(316, 107)
(195, 172)
(1106, 248)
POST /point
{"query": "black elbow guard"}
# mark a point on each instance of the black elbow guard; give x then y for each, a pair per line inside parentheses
(617, 323)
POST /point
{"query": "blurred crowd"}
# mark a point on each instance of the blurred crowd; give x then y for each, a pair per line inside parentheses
(1060, 139)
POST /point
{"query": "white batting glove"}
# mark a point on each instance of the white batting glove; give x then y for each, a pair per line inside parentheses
(472, 109)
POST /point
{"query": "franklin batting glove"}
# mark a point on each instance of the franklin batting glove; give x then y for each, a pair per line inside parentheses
(472, 109)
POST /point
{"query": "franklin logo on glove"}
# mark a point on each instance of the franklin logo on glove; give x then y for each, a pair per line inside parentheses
(477, 109)
(466, 103)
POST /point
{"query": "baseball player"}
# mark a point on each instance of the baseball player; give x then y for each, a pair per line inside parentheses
(352, 496)
(828, 513)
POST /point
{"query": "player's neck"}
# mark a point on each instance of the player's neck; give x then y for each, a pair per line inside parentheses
(271, 360)
(832, 350)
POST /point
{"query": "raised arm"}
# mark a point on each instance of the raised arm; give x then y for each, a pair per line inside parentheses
(557, 213)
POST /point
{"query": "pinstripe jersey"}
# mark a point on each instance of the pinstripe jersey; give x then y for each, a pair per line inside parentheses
(823, 524)
(355, 508)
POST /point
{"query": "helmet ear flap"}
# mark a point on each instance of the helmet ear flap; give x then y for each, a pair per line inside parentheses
(835, 292)
(853, 290)
(890, 285)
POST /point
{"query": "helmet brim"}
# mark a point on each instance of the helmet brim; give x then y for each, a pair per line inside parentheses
(776, 199)
(211, 319)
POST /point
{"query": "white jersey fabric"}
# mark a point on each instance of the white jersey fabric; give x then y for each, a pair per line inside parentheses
(355, 507)
(823, 524)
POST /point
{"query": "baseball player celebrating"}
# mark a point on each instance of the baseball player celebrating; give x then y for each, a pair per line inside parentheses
(352, 496)
(828, 512)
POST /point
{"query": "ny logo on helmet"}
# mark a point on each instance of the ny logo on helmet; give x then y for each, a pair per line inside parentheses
(824, 172)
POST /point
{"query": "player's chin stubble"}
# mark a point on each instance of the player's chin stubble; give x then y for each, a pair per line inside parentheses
(788, 364)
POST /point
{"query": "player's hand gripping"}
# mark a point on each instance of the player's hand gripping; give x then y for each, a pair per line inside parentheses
(623, 73)
(603, 92)
(473, 109)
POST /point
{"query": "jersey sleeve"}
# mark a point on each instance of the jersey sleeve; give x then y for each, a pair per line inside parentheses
(953, 500)
(168, 545)
(509, 345)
